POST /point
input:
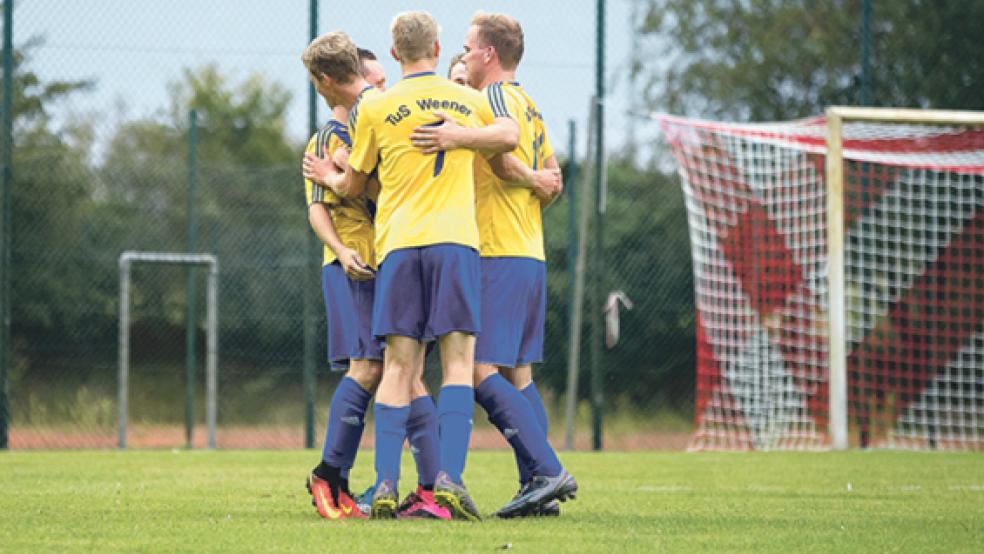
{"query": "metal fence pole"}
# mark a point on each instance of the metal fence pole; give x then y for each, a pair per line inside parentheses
(123, 377)
(212, 352)
(6, 182)
(191, 322)
(309, 267)
(597, 380)
(573, 313)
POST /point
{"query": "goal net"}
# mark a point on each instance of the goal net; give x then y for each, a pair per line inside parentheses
(901, 284)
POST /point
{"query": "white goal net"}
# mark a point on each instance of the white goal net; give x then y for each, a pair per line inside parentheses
(912, 300)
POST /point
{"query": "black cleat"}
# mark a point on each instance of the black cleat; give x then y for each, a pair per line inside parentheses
(539, 494)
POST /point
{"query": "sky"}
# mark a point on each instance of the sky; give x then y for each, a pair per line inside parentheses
(133, 49)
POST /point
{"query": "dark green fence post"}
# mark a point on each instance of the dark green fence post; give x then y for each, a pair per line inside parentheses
(6, 181)
(191, 323)
(597, 292)
(570, 189)
(310, 270)
(866, 53)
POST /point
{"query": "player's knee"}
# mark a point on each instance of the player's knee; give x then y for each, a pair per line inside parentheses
(367, 373)
(482, 372)
(520, 377)
(400, 368)
(418, 388)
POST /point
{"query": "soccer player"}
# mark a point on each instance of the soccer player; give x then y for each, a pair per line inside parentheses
(457, 71)
(513, 267)
(428, 285)
(340, 75)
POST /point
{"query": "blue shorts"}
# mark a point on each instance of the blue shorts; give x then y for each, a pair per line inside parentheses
(348, 309)
(514, 307)
(427, 292)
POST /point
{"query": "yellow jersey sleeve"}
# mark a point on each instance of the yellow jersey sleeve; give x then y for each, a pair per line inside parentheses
(351, 218)
(546, 149)
(509, 218)
(313, 192)
(365, 148)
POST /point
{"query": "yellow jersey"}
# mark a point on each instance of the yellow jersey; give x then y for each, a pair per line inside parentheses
(509, 222)
(424, 199)
(352, 218)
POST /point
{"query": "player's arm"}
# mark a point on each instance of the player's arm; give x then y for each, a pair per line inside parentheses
(353, 264)
(502, 135)
(546, 183)
(346, 183)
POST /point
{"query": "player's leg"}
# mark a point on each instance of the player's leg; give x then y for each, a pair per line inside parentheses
(391, 411)
(328, 482)
(455, 408)
(452, 283)
(398, 316)
(506, 285)
(422, 435)
(521, 377)
(524, 281)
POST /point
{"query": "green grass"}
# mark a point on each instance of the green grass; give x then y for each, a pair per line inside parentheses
(639, 502)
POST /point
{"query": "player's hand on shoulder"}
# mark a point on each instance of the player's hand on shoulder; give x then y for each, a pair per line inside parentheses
(354, 266)
(318, 169)
(442, 134)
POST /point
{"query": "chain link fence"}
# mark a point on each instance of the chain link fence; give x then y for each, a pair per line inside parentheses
(101, 165)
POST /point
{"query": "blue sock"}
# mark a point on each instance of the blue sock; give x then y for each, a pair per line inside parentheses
(422, 435)
(391, 429)
(510, 412)
(455, 406)
(346, 420)
(532, 395)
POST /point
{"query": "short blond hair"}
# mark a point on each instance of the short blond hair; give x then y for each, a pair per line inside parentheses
(414, 35)
(503, 33)
(333, 54)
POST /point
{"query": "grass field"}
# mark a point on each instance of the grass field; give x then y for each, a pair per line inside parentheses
(629, 502)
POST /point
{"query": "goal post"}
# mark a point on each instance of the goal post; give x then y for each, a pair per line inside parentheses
(126, 261)
(839, 278)
(836, 116)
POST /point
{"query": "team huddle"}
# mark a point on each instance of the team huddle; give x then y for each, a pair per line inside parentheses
(427, 197)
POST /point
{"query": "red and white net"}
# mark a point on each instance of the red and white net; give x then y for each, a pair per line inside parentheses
(914, 282)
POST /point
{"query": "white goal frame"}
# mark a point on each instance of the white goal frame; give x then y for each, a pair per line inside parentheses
(126, 261)
(836, 116)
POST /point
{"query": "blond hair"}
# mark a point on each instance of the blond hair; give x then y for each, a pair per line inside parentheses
(502, 33)
(414, 35)
(333, 54)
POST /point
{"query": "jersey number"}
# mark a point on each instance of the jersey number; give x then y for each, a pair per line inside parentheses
(439, 160)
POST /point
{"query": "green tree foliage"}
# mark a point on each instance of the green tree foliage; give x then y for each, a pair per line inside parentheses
(50, 207)
(783, 59)
(250, 202)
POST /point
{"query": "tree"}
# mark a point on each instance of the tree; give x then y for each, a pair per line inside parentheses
(784, 59)
(50, 205)
(250, 205)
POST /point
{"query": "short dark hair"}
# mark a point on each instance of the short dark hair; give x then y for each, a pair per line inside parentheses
(364, 56)
(455, 60)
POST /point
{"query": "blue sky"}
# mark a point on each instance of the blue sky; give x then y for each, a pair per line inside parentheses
(133, 49)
